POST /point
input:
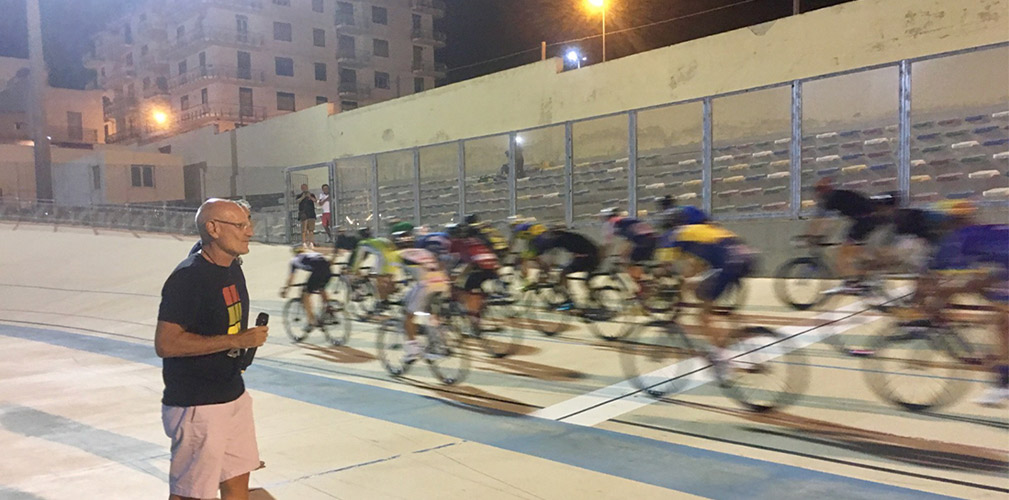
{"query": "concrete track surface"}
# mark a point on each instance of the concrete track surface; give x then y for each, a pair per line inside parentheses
(80, 390)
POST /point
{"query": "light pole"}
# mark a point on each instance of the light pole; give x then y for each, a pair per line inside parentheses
(575, 57)
(601, 6)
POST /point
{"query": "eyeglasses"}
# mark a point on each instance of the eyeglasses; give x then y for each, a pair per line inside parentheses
(242, 226)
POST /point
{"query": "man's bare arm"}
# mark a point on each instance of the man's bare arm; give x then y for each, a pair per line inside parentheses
(173, 341)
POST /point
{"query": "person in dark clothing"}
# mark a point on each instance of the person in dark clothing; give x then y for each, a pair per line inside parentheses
(202, 335)
(585, 254)
(306, 215)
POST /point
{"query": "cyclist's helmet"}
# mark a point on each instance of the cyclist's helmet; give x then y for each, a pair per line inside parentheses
(666, 202)
(453, 230)
(887, 200)
(471, 219)
(609, 213)
(689, 214)
(364, 233)
(402, 239)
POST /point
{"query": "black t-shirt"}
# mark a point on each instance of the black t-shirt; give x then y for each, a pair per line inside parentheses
(210, 300)
(306, 206)
(346, 242)
(847, 203)
(572, 242)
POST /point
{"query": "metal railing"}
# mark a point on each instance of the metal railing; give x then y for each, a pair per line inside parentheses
(429, 37)
(269, 224)
(214, 72)
(215, 35)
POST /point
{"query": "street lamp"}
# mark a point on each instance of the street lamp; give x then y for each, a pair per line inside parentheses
(601, 5)
(160, 117)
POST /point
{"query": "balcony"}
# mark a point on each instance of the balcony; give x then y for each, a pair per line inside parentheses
(353, 59)
(192, 42)
(350, 24)
(124, 136)
(121, 106)
(433, 70)
(152, 30)
(354, 91)
(203, 114)
(203, 74)
(435, 8)
(153, 63)
(58, 134)
(185, 9)
(155, 91)
(429, 37)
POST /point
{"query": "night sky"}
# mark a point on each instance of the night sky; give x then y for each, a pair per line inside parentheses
(478, 30)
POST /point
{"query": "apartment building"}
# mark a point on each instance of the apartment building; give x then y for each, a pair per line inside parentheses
(171, 66)
(73, 117)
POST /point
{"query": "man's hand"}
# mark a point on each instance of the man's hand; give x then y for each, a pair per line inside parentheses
(253, 337)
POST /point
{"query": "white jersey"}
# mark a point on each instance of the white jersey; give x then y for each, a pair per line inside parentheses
(324, 202)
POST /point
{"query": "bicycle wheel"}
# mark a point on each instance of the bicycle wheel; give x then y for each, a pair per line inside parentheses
(801, 282)
(658, 358)
(541, 310)
(362, 298)
(337, 324)
(499, 334)
(913, 368)
(607, 302)
(295, 319)
(764, 370)
(446, 351)
(390, 343)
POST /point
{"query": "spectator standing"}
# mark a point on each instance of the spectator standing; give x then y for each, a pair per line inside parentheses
(306, 216)
(201, 336)
(324, 199)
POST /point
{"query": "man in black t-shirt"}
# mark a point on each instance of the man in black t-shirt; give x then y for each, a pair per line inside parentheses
(584, 254)
(865, 214)
(202, 337)
(306, 215)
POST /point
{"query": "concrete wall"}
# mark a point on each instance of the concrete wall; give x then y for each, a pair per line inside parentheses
(848, 36)
(17, 168)
(73, 181)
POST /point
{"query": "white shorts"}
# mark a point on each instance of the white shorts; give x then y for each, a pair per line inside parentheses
(210, 444)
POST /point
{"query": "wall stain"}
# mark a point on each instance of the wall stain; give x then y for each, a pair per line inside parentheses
(919, 23)
(683, 74)
(547, 110)
(388, 135)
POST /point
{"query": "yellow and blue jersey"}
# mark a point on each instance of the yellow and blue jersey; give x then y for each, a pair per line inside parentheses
(707, 242)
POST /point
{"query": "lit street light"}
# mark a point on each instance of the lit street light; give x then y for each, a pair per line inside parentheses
(160, 117)
(575, 58)
(600, 5)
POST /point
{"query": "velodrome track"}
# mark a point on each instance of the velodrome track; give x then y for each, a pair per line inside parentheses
(80, 412)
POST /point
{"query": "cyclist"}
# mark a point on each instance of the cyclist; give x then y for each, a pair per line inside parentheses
(927, 225)
(344, 245)
(728, 261)
(476, 264)
(386, 259)
(523, 232)
(639, 234)
(487, 233)
(320, 274)
(866, 216)
(972, 260)
(397, 225)
(586, 255)
(429, 279)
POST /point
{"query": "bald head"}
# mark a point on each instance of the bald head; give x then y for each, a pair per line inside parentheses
(217, 209)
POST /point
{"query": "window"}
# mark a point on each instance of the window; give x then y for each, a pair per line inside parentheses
(284, 66)
(381, 80)
(318, 37)
(184, 102)
(204, 96)
(142, 175)
(317, 6)
(96, 177)
(180, 32)
(320, 72)
(346, 45)
(380, 48)
(286, 3)
(344, 9)
(379, 15)
(282, 31)
(165, 149)
(348, 105)
(183, 69)
(147, 82)
(417, 22)
(242, 28)
(285, 101)
(348, 76)
(244, 101)
(418, 54)
(418, 84)
(321, 99)
(75, 126)
(244, 65)
(127, 34)
(129, 58)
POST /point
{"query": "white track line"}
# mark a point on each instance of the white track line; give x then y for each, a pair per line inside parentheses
(618, 399)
